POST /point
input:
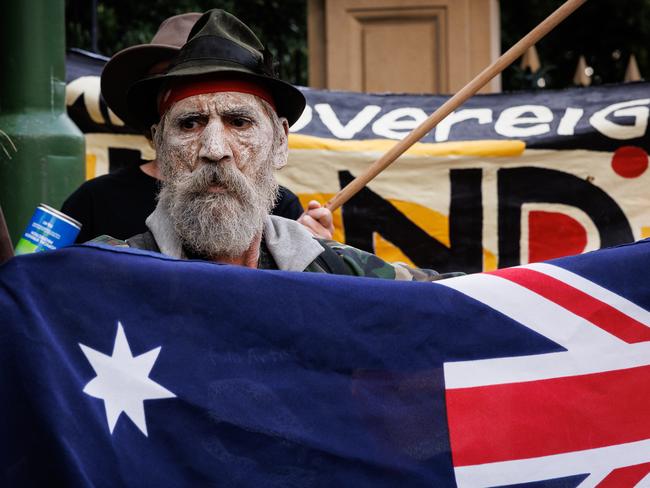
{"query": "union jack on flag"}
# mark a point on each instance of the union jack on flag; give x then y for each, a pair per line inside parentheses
(581, 411)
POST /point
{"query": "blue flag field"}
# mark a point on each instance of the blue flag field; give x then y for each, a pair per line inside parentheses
(126, 368)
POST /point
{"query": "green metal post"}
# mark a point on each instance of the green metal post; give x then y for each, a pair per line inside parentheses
(41, 150)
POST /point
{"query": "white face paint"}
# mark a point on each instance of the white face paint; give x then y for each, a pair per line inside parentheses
(229, 128)
(217, 153)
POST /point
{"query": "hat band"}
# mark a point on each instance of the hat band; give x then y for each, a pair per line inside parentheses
(189, 88)
(215, 48)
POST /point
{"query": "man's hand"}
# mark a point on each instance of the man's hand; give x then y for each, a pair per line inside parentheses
(318, 220)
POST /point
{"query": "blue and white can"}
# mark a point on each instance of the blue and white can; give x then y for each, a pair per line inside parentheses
(47, 230)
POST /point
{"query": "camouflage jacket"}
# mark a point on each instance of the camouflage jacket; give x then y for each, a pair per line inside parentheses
(362, 263)
(288, 246)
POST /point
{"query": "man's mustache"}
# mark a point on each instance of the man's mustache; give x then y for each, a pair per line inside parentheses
(200, 181)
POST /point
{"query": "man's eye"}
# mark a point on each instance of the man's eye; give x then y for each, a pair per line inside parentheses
(189, 124)
(240, 122)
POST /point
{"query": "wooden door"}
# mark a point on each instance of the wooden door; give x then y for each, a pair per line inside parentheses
(414, 46)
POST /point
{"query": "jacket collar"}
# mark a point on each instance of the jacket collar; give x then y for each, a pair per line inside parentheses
(292, 246)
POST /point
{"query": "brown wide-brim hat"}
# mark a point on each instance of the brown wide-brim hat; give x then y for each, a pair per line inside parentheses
(137, 62)
(219, 46)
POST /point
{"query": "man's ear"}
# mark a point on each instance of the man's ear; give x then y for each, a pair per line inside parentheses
(282, 149)
(152, 132)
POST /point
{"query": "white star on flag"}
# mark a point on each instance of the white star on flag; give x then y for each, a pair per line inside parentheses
(123, 381)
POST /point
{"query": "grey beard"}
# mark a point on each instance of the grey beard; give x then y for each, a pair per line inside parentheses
(218, 225)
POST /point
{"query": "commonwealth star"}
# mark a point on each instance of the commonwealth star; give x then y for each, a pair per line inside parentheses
(123, 381)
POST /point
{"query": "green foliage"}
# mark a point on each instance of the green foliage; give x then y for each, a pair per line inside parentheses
(605, 32)
(281, 25)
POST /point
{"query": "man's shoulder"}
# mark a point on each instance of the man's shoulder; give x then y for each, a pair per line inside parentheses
(108, 241)
(287, 204)
(145, 241)
(107, 179)
(116, 180)
(93, 188)
(366, 264)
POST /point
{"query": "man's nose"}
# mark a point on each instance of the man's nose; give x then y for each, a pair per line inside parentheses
(214, 144)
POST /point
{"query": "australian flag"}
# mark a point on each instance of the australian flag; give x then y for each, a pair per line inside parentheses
(126, 368)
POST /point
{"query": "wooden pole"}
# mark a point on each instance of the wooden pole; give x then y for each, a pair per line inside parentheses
(454, 102)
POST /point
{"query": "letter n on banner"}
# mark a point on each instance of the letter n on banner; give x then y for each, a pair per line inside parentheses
(367, 213)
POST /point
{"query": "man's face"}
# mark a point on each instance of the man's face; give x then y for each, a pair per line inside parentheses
(217, 153)
(227, 128)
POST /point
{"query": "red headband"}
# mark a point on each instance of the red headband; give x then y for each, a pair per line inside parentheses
(186, 89)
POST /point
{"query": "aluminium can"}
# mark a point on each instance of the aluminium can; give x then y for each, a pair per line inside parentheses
(47, 230)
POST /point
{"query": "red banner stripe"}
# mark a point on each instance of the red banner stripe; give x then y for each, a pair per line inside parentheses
(539, 418)
(580, 303)
(625, 477)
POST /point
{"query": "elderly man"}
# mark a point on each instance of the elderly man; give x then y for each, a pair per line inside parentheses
(119, 202)
(220, 120)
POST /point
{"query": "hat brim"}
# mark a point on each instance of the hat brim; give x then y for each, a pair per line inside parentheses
(142, 97)
(126, 68)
